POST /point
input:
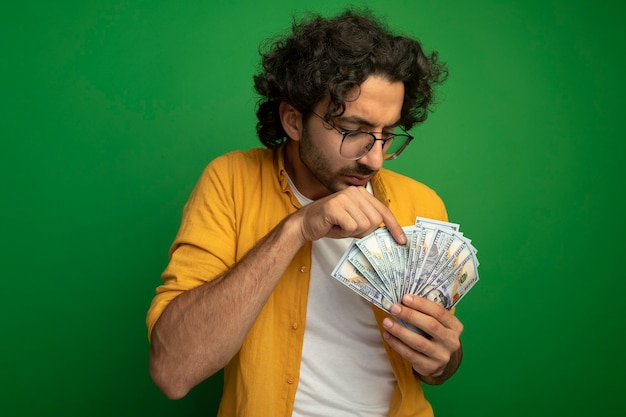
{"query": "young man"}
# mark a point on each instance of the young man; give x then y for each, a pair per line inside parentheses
(248, 286)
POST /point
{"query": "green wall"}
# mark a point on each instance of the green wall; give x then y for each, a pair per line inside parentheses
(110, 110)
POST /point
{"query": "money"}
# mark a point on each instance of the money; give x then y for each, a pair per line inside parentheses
(349, 275)
(438, 263)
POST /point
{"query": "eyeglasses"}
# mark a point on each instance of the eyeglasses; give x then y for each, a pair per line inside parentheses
(355, 144)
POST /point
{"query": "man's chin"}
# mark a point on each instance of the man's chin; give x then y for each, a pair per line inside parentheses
(343, 186)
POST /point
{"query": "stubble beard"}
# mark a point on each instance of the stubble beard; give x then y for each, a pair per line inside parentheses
(321, 168)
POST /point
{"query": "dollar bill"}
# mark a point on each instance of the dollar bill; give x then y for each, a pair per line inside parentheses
(448, 253)
(437, 223)
(369, 246)
(451, 287)
(395, 257)
(346, 273)
(423, 256)
(365, 268)
(438, 263)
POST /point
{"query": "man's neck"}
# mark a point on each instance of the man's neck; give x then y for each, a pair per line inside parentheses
(301, 176)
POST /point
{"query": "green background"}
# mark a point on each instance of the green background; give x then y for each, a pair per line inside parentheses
(110, 110)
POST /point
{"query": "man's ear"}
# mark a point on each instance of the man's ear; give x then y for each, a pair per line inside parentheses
(291, 119)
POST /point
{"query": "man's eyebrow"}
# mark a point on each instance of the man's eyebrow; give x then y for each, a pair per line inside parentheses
(363, 122)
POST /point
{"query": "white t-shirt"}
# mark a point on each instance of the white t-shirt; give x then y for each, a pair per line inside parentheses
(345, 370)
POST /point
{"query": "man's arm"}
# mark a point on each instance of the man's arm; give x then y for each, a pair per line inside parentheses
(202, 329)
(435, 358)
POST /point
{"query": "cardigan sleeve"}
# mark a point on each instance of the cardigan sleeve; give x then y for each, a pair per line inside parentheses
(204, 246)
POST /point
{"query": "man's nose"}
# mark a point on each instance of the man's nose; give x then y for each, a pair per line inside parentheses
(374, 158)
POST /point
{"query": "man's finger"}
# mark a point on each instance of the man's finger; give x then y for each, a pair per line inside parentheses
(392, 224)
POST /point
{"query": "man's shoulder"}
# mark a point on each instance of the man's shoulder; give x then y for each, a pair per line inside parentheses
(395, 181)
(243, 160)
(408, 197)
(245, 156)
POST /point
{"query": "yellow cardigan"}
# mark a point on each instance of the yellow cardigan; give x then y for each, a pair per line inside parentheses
(238, 199)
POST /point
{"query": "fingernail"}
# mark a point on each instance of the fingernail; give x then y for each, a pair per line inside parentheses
(395, 309)
(407, 299)
(387, 323)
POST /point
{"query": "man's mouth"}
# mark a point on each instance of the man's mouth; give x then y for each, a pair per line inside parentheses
(358, 180)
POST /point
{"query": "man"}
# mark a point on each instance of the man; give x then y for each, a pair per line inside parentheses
(248, 286)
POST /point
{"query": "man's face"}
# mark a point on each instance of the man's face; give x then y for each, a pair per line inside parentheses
(376, 109)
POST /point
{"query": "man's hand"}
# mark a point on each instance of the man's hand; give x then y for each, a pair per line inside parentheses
(352, 212)
(437, 358)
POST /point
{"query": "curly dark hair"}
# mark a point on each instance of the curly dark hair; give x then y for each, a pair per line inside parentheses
(329, 57)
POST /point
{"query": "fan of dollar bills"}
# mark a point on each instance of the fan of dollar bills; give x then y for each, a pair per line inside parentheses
(437, 263)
